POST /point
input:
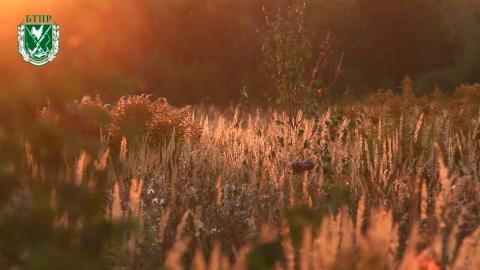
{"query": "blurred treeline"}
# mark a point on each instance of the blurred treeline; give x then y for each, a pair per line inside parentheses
(193, 51)
(212, 49)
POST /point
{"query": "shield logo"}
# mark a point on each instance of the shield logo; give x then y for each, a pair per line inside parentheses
(38, 43)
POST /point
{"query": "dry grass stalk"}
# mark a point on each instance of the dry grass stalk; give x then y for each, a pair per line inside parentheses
(423, 201)
(116, 209)
(214, 262)
(181, 226)
(80, 167)
(136, 188)
(162, 226)
(198, 262)
(219, 191)
(174, 255)
(123, 150)
(306, 249)
(102, 162)
(418, 126)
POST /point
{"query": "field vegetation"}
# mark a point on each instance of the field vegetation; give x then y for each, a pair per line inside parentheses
(388, 183)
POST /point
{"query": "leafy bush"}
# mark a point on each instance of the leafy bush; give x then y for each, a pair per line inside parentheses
(300, 85)
(134, 117)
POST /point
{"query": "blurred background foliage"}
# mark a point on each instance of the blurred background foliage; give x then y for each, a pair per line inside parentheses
(208, 50)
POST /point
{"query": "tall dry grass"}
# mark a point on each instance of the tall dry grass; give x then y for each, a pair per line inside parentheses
(393, 186)
(391, 183)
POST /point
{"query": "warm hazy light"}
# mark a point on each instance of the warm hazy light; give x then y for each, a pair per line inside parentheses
(99, 42)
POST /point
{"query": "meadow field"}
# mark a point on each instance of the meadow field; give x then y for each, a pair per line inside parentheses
(391, 182)
(213, 134)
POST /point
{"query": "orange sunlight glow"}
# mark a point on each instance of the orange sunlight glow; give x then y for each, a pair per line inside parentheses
(99, 41)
